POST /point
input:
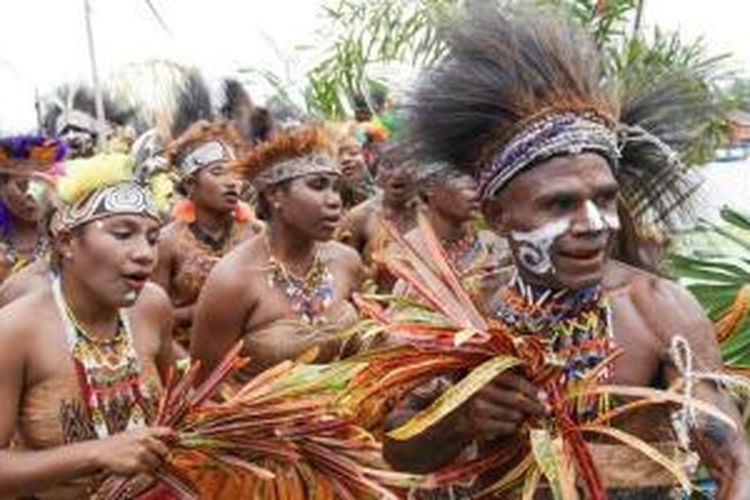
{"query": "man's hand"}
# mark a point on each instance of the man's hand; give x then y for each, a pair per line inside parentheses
(499, 409)
(133, 452)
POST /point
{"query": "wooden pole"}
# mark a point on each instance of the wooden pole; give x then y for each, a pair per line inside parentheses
(638, 18)
(98, 99)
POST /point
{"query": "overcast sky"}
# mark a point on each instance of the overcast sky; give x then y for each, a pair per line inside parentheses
(42, 42)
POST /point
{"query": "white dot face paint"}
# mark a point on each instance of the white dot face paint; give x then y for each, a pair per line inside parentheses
(534, 246)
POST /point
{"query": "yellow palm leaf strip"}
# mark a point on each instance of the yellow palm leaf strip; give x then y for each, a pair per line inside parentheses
(737, 312)
(262, 381)
(454, 397)
(531, 484)
(413, 374)
(659, 396)
(649, 451)
(547, 457)
(510, 478)
(436, 254)
(316, 380)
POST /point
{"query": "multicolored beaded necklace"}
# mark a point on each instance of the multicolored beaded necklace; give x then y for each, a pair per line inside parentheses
(577, 325)
(462, 252)
(15, 259)
(310, 295)
(108, 373)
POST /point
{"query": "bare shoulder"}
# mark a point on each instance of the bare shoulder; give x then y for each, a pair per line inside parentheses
(15, 327)
(167, 238)
(153, 300)
(339, 252)
(250, 229)
(30, 279)
(664, 305)
(234, 271)
(171, 230)
(363, 210)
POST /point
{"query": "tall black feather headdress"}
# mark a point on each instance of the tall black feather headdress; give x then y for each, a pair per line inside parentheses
(523, 84)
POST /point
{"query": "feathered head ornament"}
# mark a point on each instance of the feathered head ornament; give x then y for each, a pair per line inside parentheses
(98, 187)
(27, 154)
(521, 85)
(204, 144)
(310, 149)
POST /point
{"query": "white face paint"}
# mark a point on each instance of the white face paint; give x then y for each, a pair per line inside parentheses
(594, 219)
(534, 246)
(612, 221)
(131, 297)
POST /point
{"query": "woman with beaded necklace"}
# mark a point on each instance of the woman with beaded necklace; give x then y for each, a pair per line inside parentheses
(21, 159)
(287, 290)
(79, 381)
(209, 222)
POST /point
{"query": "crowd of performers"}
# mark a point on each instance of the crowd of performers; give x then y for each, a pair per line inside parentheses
(477, 286)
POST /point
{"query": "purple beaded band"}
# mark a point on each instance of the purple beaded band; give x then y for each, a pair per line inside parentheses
(554, 135)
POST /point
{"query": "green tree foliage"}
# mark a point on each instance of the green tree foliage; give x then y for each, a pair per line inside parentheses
(365, 34)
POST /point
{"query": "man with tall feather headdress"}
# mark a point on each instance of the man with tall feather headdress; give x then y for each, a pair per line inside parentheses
(521, 104)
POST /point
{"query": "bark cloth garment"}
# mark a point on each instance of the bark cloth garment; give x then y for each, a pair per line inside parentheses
(198, 258)
(53, 414)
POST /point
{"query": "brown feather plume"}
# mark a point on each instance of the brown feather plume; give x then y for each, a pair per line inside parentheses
(285, 145)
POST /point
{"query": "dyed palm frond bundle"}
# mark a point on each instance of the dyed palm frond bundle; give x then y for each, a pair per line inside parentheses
(442, 335)
(277, 436)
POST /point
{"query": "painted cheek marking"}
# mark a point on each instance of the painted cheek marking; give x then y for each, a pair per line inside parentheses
(534, 246)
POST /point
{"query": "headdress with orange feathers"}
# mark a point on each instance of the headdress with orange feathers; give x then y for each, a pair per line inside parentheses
(290, 154)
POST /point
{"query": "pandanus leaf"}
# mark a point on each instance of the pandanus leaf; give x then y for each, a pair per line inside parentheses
(454, 397)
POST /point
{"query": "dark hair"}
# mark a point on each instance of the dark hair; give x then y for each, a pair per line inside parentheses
(262, 206)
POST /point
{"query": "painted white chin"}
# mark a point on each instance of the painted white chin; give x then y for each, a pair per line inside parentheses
(131, 297)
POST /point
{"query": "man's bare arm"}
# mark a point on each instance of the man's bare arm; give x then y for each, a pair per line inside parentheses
(671, 311)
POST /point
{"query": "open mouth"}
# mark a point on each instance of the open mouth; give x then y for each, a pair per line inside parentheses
(231, 197)
(136, 280)
(331, 221)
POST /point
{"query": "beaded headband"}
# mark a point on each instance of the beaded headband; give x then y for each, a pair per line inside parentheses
(203, 156)
(315, 163)
(556, 134)
(123, 198)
